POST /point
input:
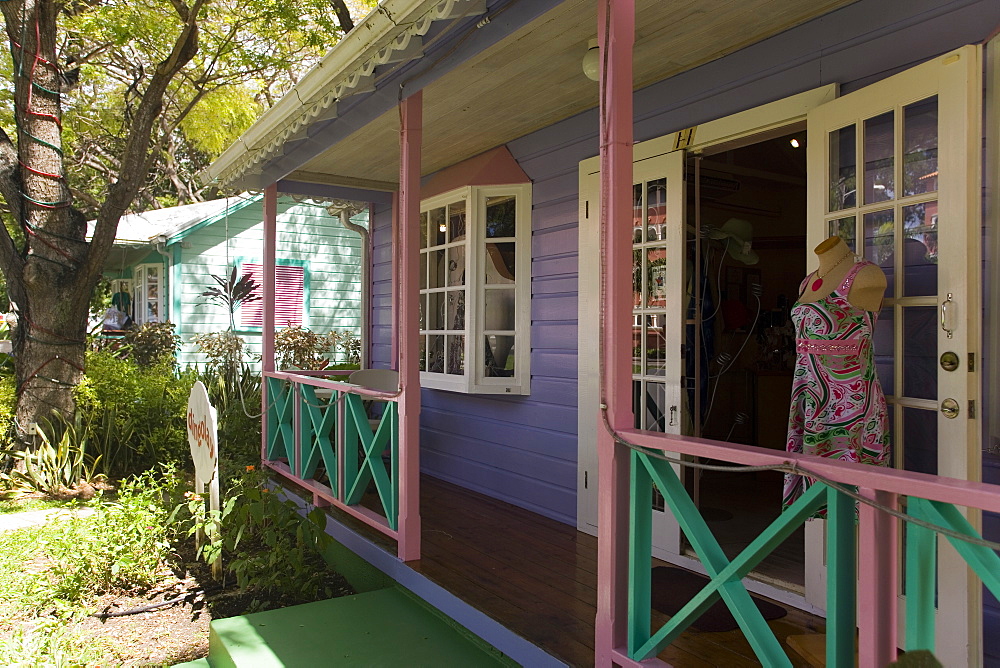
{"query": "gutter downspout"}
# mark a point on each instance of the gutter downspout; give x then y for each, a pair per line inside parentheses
(345, 210)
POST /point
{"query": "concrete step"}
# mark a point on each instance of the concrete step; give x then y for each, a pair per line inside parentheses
(386, 627)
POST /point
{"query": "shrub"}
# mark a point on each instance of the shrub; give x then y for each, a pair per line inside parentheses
(224, 350)
(301, 348)
(152, 343)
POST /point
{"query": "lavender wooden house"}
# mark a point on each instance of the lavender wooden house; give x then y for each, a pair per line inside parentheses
(583, 282)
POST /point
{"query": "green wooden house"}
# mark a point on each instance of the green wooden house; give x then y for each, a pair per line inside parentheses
(163, 260)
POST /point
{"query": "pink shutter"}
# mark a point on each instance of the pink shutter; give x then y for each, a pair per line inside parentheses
(289, 288)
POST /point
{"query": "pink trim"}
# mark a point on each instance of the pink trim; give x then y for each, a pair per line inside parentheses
(616, 34)
(493, 168)
(845, 285)
(267, 333)
(877, 579)
(410, 137)
(394, 355)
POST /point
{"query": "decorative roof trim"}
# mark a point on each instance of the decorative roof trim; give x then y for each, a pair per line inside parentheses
(349, 70)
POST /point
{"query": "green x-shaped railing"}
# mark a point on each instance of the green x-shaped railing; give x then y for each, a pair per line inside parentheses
(367, 455)
(726, 575)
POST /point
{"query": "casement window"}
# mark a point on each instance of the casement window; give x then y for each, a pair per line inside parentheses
(148, 297)
(289, 296)
(475, 281)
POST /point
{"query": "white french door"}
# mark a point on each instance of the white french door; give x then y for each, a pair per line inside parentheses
(893, 170)
(657, 226)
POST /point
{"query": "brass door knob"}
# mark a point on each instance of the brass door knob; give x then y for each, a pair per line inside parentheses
(950, 408)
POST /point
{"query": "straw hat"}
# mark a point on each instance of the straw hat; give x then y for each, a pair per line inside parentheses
(738, 234)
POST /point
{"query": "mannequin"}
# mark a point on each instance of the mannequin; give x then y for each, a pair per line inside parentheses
(834, 254)
(837, 406)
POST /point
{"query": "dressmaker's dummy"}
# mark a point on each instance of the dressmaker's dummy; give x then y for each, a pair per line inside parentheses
(836, 259)
(837, 408)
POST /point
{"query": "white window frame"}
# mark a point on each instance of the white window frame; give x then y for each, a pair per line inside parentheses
(474, 380)
(140, 301)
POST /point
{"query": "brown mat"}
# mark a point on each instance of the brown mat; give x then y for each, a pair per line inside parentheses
(673, 587)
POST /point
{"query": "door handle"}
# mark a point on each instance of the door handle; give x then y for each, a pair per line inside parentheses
(950, 408)
(945, 317)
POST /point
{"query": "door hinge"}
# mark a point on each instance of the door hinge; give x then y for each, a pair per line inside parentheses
(972, 409)
(972, 362)
(585, 480)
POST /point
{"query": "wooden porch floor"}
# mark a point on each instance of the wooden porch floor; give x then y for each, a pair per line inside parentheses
(538, 578)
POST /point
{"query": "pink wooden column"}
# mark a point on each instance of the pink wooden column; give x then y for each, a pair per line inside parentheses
(408, 294)
(267, 329)
(616, 34)
(878, 547)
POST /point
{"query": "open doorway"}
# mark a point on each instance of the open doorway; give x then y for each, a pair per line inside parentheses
(745, 258)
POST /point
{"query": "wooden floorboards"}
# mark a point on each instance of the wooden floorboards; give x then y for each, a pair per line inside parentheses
(538, 577)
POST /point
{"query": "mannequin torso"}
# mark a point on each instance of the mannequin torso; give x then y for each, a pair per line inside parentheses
(835, 260)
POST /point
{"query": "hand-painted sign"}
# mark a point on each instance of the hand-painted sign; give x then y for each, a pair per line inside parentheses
(202, 434)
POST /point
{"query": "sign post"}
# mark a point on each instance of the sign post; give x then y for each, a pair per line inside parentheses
(202, 427)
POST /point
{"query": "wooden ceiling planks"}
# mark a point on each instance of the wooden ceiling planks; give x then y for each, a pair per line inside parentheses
(470, 110)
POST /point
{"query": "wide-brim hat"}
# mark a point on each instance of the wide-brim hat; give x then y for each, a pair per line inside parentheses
(738, 234)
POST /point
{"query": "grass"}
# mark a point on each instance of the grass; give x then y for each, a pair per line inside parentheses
(25, 504)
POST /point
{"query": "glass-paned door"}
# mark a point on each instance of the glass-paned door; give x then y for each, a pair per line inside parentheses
(892, 172)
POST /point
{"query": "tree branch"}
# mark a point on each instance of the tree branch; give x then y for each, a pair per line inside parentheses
(343, 15)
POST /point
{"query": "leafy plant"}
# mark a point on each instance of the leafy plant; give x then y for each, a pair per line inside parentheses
(232, 292)
(152, 343)
(301, 348)
(63, 470)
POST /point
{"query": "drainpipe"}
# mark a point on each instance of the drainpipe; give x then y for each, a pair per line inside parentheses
(345, 209)
(160, 246)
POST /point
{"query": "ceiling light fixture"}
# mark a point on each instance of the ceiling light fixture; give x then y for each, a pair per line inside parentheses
(794, 142)
(592, 60)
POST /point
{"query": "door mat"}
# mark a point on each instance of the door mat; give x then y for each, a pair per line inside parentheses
(673, 587)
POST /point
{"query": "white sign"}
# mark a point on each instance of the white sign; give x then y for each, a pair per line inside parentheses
(203, 434)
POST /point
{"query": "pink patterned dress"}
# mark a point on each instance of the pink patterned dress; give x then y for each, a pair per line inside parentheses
(838, 409)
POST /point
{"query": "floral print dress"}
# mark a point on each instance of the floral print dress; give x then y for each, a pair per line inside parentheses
(838, 409)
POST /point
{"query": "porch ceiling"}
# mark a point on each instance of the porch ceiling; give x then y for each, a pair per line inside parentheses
(534, 78)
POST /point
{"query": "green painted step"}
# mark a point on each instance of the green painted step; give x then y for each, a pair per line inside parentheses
(386, 627)
(197, 663)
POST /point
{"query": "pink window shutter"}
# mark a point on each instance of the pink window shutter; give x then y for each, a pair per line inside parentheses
(289, 289)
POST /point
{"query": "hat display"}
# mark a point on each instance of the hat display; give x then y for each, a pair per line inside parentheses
(738, 234)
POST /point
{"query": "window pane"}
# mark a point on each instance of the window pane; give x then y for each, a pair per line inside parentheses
(846, 229)
(423, 230)
(421, 309)
(654, 407)
(883, 344)
(500, 262)
(499, 310)
(879, 244)
(456, 265)
(456, 355)
(436, 277)
(843, 169)
(435, 310)
(920, 440)
(879, 163)
(456, 221)
(499, 356)
(637, 226)
(423, 353)
(423, 271)
(456, 310)
(500, 216)
(920, 147)
(920, 352)
(656, 209)
(920, 249)
(435, 353)
(636, 278)
(438, 228)
(656, 345)
(656, 285)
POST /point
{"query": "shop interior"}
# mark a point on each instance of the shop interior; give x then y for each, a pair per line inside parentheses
(746, 249)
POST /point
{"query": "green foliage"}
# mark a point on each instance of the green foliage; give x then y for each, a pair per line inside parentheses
(8, 400)
(232, 292)
(225, 350)
(301, 348)
(133, 416)
(60, 468)
(152, 343)
(220, 118)
(237, 400)
(274, 553)
(49, 643)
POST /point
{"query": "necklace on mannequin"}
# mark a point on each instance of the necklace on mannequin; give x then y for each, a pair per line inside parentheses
(818, 283)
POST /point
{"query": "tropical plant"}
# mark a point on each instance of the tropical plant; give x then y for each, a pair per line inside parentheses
(232, 292)
(152, 343)
(61, 469)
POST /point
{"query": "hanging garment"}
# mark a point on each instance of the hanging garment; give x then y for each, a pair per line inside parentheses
(838, 409)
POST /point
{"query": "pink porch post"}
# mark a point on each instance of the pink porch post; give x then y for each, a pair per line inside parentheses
(407, 295)
(267, 330)
(616, 34)
(878, 548)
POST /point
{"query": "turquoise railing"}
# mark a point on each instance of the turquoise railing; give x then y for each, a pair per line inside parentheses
(320, 436)
(648, 467)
